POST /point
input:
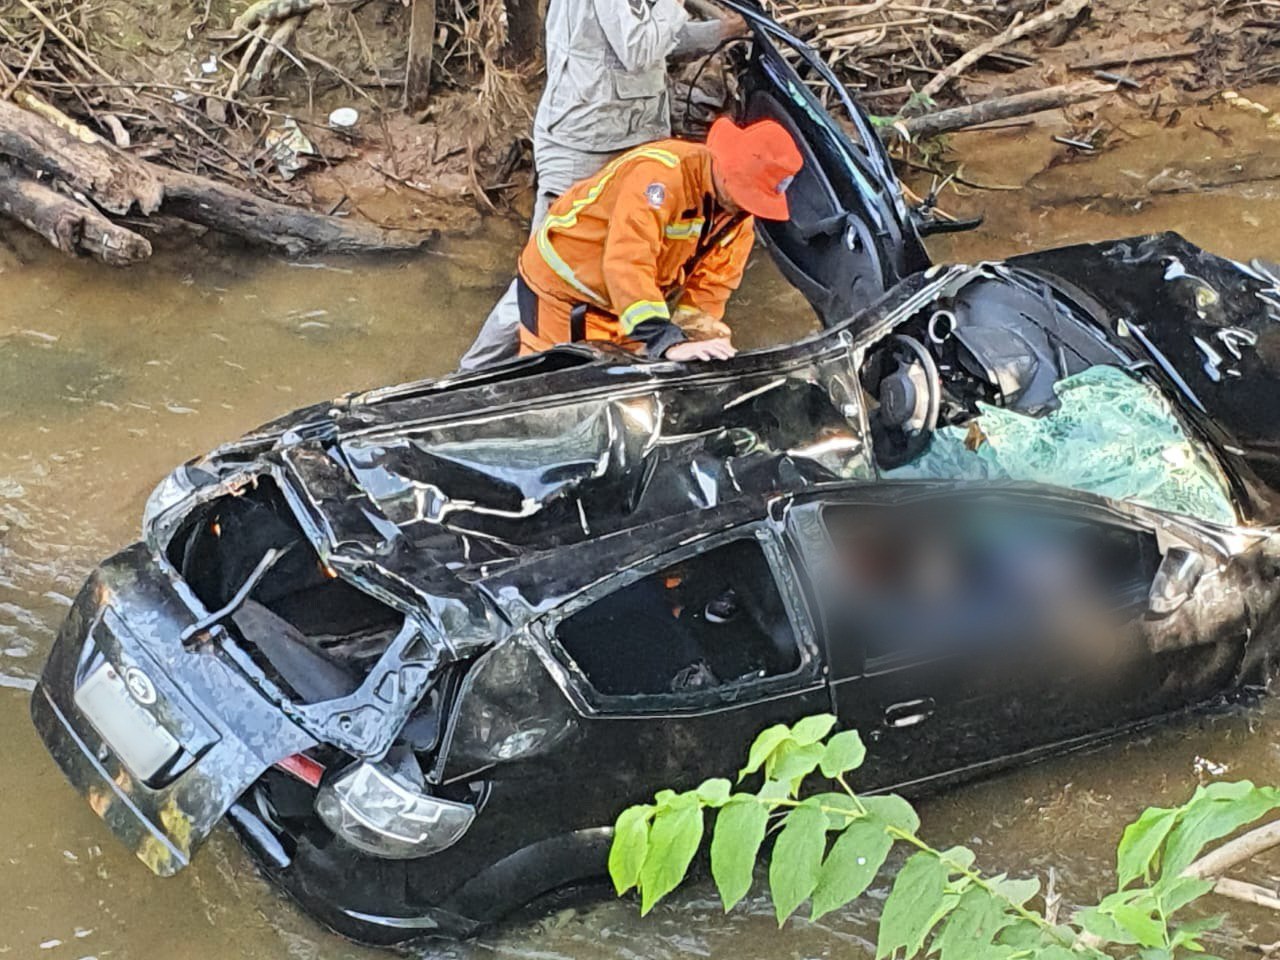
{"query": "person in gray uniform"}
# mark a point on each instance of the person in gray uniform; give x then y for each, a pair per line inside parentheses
(606, 93)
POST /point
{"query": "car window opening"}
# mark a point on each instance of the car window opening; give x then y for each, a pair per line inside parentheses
(715, 620)
(948, 577)
(309, 631)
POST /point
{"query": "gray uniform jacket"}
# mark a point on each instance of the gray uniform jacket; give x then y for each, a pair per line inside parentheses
(607, 71)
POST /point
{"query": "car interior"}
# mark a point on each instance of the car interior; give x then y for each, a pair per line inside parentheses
(996, 342)
(307, 629)
(938, 578)
(715, 620)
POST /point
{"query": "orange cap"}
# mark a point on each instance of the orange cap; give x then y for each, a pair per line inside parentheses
(756, 164)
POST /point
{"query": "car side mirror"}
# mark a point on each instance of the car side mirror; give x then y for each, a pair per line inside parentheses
(1176, 580)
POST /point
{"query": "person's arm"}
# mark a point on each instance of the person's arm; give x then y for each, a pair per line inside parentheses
(631, 251)
(719, 273)
(703, 36)
(642, 33)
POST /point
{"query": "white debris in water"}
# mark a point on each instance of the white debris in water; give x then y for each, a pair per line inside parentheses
(70, 856)
(50, 944)
(81, 932)
(178, 408)
(1202, 766)
(40, 335)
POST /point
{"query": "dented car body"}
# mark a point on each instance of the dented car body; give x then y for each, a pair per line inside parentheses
(421, 644)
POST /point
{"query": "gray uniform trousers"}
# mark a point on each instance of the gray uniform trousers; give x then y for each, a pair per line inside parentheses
(558, 169)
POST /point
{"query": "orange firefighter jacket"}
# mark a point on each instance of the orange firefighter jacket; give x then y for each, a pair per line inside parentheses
(641, 238)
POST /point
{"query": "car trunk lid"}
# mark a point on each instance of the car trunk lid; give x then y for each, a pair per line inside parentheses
(160, 739)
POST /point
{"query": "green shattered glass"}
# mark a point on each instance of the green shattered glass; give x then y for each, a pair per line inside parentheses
(1113, 436)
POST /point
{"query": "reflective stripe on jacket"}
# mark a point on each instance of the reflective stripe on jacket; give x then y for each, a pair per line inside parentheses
(607, 72)
(641, 237)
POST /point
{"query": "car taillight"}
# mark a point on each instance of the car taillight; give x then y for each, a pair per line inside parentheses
(374, 811)
(302, 768)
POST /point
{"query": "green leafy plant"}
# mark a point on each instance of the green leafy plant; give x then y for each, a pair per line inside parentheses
(830, 844)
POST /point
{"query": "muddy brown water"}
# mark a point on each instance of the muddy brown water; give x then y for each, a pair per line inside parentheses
(108, 379)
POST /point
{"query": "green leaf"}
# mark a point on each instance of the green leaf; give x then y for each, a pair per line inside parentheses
(850, 866)
(917, 894)
(1181, 891)
(673, 840)
(1017, 891)
(972, 927)
(1155, 953)
(844, 752)
(892, 811)
(630, 841)
(774, 790)
(1215, 811)
(735, 845)
(1144, 928)
(962, 857)
(791, 763)
(1056, 952)
(1187, 935)
(1022, 934)
(797, 858)
(1141, 842)
(714, 792)
(1103, 926)
(765, 743)
(841, 809)
(812, 729)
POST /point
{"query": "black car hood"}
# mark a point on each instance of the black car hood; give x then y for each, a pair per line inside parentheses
(1210, 326)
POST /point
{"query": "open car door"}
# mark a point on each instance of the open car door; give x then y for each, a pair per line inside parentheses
(851, 236)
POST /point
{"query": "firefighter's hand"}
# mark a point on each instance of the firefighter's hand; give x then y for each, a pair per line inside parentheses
(719, 349)
(698, 325)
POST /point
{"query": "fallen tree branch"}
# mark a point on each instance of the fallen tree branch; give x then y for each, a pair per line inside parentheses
(293, 230)
(274, 11)
(118, 182)
(1242, 848)
(1003, 108)
(1247, 893)
(1067, 10)
(1133, 58)
(69, 226)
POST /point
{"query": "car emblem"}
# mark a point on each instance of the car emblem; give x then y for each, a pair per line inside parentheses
(140, 686)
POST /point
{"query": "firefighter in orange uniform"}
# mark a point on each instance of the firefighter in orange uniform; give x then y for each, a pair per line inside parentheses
(655, 243)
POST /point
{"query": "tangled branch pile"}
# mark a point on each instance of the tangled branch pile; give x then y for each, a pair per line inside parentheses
(908, 52)
(207, 91)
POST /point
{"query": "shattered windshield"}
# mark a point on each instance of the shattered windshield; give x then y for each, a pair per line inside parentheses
(1113, 435)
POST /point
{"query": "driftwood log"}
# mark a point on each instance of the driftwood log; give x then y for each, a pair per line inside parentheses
(1004, 108)
(119, 183)
(70, 226)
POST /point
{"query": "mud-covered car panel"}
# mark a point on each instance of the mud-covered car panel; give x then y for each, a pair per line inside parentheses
(129, 617)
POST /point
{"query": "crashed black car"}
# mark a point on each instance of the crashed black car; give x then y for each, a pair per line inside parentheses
(421, 644)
